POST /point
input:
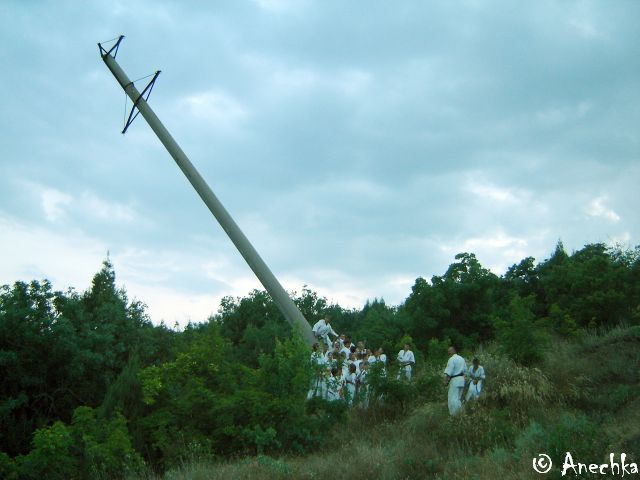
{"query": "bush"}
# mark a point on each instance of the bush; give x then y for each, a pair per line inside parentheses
(89, 448)
(518, 388)
(104, 445)
(52, 454)
(429, 384)
(484, 430)
(8, 467)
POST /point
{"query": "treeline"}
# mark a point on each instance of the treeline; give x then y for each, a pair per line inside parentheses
(90, 387)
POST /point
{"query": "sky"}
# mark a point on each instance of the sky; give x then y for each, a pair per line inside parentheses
(358, 145)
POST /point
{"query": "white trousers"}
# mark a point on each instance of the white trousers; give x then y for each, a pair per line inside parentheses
(325, 339)
(404, 372)
(474, 390)
(318, 388)
(455, 397)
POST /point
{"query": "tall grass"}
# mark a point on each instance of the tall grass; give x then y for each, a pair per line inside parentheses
(565, 404)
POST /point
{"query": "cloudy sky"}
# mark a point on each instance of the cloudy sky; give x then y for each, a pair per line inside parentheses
(358, 145)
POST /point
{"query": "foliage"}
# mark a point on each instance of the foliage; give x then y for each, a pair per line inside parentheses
(62, 350)
(515, 387)
(521, 337)
(252, 324)
(88, 448)
(457, 305)
(8, 467)
(88, 383)
(204, 397)
(52, 452)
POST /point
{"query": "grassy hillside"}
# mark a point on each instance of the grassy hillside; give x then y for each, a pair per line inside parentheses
(584, 397)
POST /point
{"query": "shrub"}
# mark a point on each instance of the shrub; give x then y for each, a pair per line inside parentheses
(88, 448)
(429, 384)
(578, 435)
(514, 386)
(52, 454)
(8, 467)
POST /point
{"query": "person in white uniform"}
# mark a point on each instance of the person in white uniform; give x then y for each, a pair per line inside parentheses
(335, 383)
(476, 377)
(363, 387)
(318, 367)
(406, 361)
(381, 357)
(350, 385)
(454, 377)
(322, 329)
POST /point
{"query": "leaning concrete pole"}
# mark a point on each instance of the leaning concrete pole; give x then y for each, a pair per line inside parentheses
(268, 279)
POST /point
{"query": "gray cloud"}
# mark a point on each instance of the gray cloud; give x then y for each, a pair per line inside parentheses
(357, 147)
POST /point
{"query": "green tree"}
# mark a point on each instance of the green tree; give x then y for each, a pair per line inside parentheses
(62, 350)
(458, 305)
(252, 324)
(592, 286)
(519, 334)
(88, 448)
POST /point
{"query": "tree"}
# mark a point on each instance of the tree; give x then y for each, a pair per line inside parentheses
(457, 305)
(252, 324)
(519, 334)
(592, 286)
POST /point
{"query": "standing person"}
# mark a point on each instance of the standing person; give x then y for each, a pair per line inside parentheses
(318, 367)
(382, 357)
(350, 385)
(343, 363)
(476, 378)
(371, 358)
(322, 329)
(346, 347)
(331, 361)
(358, 361)
(406, 360)
(363, 387)
(454, 377)
(335, 383)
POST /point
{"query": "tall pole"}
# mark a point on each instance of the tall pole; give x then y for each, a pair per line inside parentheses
(291, 313)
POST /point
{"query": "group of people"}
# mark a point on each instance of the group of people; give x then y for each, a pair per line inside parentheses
(341, 369)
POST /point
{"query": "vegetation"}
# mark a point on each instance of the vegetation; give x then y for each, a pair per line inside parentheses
(90, 388)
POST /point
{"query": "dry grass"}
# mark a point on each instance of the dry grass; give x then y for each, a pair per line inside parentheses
(494, 437)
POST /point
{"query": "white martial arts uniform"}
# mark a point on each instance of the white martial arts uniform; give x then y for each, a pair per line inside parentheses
(345, 369)
(357, 364)
(350, 387)
(346, 352)
(456, 368)
(383, 359)
(318, 365)
(363, 389)
(475, 388)
(321, 330)
(405, 356)
(334, 388)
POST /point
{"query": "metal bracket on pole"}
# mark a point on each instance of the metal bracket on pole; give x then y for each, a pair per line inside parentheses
(147, 91)
(114, 49)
